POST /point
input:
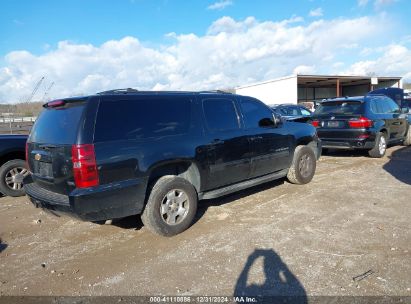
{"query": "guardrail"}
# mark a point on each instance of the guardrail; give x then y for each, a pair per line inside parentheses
(16, 125)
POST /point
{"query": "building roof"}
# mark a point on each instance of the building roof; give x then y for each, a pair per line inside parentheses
(326, 80)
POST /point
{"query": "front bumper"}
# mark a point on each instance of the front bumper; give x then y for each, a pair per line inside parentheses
(91, 204)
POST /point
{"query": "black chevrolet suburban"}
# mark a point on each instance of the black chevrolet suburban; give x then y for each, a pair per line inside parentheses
(121, 152)
(368, 122)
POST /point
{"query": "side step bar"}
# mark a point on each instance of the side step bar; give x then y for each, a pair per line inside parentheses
(242, 185)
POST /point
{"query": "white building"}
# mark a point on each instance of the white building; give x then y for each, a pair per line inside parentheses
(307, 88)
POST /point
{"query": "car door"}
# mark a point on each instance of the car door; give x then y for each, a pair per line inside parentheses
(227, 148)
(270, 145)
(399, 120)
(384, 113)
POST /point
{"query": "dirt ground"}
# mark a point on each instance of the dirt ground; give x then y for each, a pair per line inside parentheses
(348, 232)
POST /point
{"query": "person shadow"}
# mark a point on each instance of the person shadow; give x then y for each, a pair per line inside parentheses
(399, 165)
(280, 284)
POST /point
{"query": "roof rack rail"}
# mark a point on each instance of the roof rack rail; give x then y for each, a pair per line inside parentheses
(216, 91)
(119, 91)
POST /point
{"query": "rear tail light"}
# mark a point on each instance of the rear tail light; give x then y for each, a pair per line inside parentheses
(54, 104)
(315, 123)
(360, 123)
(84, 166)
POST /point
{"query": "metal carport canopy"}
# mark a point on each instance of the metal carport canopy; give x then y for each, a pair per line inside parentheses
(317, 81)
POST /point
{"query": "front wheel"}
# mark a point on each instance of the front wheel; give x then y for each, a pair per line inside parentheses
(380, 146)
(171, 206)
(12, 174)
(303, 166)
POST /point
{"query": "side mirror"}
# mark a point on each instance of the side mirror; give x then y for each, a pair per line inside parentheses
(405, 110)
(266, 123)
(277, 119)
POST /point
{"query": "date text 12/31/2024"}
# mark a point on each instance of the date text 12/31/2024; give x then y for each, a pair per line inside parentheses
(202, 299)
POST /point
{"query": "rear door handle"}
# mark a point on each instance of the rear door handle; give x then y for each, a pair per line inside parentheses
(217, 141)
(256, 138)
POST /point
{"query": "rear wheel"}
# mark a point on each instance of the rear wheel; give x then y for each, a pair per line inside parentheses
(11, 177)
(303, 166)
(380, 146)
(407, 139)
(171, 206)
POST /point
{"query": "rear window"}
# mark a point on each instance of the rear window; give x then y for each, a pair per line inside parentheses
(58, 125)
(340, 108)
(142, 118)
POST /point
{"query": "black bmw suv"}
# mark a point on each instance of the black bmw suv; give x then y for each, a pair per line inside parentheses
(121, 153)
(368, 122)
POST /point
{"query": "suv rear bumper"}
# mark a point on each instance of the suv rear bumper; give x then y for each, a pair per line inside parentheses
(350, 144)
(103, 203)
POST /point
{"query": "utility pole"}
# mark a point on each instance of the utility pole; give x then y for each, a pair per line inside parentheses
(46, 92)
(35, 89)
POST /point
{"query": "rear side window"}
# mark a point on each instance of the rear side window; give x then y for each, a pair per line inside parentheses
(291, 111)
(142, 118)
(340, 108)
(253, 112)
(383, 106)
(375, 106)
(58, 125)
(393, 106)
(220, 114)
(305, 112)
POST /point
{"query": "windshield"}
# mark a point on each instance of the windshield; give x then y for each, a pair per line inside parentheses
(340, 108)
(58, 125)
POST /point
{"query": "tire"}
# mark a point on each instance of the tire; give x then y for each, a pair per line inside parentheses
(165, 214)
(380, 146)
(407, 139)
(303, 166)
(11, 177)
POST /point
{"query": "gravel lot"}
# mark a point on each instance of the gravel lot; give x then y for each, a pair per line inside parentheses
(352, 219)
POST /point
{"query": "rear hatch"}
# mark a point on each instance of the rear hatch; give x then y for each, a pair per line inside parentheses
(49, 147)
(340, 119)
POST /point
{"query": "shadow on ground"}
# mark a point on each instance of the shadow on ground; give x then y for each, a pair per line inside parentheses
(134, 222)
(399, 165)
(280, 284)
(203, 205)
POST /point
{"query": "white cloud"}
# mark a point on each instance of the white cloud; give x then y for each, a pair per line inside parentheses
(231, 53)
(377, 3)
(220, 5)
(304, 70)
(362, 2)
(318, 12)
(395, 61)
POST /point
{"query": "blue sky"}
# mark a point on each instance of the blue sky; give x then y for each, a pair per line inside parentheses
(34, 25)
(34, 34)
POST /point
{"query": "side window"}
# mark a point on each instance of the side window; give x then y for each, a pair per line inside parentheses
(142, 118)
(220, 114)
(383, 106)
(284, 111)
(394, 108)
(374, 106)
(304, 112)
(253, 112)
